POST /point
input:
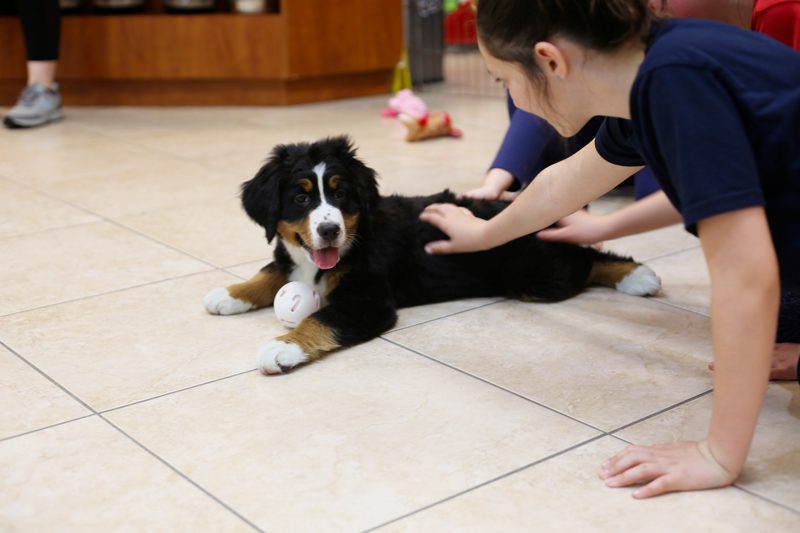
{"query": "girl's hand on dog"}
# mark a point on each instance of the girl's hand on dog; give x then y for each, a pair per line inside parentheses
(466, 231)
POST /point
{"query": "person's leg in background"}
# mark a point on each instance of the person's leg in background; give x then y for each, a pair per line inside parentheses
(40, 102)
(786, 361)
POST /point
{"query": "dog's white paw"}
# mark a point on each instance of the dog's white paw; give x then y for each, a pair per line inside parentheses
(220, 302)
(276, 357)
(641, 282)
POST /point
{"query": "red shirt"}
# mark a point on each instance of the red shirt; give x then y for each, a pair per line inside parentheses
(780, 19)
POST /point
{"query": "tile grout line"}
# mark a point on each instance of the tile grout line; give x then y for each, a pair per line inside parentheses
(50, 230)
(681, 308)
(48, 378)
(547, 458)
(766, 499)
(223, 269)
(114, 291)
(488, 482)
(669, 254)
(495, 385)
(179, 473)
(176, 391)
(108, 220)
(37, 430)
(100, 415)
(610, 432)
(119, 407)
(456, 313)
(659, 412)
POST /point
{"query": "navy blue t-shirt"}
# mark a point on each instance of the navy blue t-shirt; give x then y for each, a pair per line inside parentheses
(715, 112)
(531, 144)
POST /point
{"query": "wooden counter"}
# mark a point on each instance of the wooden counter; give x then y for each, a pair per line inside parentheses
(312, 50)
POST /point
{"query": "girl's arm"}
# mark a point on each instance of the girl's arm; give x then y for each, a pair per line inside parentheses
(649, 213)
(556, 192)
(745, 294)
(744, 306)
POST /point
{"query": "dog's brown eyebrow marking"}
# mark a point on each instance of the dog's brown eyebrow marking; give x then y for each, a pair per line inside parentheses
(306, 184)
(333, 182)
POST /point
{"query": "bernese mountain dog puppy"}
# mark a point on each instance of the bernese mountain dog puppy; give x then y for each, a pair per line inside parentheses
(364, 254)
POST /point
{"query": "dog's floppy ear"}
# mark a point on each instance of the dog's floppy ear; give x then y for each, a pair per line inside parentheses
(261, 197)
(366, 181)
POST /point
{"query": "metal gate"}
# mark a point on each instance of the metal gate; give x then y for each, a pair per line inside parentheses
(442, 50)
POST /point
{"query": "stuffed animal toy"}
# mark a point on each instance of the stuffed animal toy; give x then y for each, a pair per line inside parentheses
(420, 123)
(428, 127)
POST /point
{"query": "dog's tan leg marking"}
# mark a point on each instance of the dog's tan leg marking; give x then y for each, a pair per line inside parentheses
(314, 337)
(628, 277)
(609, 273)
(260, 290)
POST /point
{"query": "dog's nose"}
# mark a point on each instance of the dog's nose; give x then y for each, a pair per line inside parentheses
(329, 231)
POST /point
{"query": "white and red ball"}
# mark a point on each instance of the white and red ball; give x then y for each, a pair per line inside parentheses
(294, 302)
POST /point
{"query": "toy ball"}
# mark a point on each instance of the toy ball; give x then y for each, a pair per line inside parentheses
(294, 302)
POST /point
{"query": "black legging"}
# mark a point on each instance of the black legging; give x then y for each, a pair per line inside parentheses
(41, 25)
(789, 317)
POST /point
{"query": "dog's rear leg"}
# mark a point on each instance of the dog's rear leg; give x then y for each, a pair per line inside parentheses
(623, 274)
(259, 291)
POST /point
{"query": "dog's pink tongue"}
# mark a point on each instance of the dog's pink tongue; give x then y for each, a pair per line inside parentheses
(326, 257)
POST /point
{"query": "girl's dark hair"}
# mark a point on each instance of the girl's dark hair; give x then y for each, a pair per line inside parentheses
(508, 29)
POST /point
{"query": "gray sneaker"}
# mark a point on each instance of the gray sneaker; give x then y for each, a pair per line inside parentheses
(36, 106)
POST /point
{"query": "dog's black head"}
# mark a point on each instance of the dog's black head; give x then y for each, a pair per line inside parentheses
(317, 197)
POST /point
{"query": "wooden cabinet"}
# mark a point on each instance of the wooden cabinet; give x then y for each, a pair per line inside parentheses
(311, 50)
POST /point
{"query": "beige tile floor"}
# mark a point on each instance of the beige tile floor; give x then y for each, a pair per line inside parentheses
(124, 406)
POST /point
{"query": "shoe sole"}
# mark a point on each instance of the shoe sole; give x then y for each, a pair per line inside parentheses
(17, 123)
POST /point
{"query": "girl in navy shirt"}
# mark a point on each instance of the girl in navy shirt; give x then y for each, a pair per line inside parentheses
(715, 112)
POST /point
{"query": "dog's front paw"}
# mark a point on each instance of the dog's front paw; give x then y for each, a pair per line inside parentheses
(220, 302)
(276, 357)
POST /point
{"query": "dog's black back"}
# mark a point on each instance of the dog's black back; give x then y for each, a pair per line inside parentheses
(525, 267)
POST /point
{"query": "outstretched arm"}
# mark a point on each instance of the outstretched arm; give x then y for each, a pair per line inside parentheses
(653, 212)
(556, 192)
(744, 306)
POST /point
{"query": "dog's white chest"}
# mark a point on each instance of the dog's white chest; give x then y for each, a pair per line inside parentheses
(306, 271)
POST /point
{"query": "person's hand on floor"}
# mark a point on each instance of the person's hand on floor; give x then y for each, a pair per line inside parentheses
(663, 468)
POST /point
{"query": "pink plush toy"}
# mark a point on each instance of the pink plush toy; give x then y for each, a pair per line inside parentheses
(407, 103)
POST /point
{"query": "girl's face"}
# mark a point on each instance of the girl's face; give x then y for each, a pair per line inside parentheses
(556, 105)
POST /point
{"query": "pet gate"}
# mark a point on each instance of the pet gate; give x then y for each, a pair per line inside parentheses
(443, 51)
